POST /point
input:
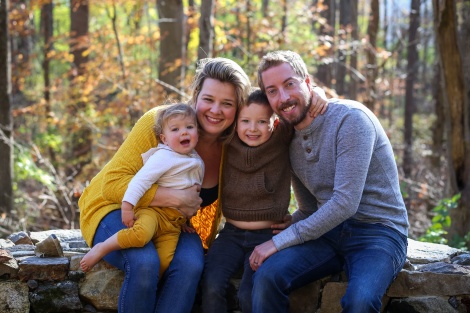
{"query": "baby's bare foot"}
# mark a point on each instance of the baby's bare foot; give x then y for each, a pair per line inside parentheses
(91, 258)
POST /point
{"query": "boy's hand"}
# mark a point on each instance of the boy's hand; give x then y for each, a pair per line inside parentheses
(287, 221)
(319, 104)
(127, 214)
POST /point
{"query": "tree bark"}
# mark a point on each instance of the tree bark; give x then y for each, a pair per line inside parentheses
(46, 32)
(345, 16)
(371, 70)
(6, 123)
(206, 29)
(79, 41)
(353, 58)
(325, 69)
(21, 38)
(412, 67)
(265, 7)
(80, 136)
(171, 20)
(457, 112)
(438, 127)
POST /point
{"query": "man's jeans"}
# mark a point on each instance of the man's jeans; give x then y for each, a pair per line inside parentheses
(370, 254)
(227, 255)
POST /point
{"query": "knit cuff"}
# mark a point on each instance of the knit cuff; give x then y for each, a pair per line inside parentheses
(287, 238)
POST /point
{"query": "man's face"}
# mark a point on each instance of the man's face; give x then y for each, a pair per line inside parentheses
(288, 94)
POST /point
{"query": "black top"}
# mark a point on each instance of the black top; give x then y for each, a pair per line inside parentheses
(209, 195)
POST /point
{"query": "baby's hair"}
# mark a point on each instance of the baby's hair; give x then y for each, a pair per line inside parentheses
(257, 96)
(169, 111)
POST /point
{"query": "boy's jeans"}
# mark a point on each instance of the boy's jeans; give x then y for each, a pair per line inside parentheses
(227, 255)
(370, 254)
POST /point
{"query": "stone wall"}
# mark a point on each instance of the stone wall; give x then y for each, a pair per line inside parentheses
(435, 279)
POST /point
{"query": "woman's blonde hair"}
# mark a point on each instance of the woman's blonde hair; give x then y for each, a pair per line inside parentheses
(170, 110)
(225, 71)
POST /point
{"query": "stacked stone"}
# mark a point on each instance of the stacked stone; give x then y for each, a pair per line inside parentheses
(37, 275)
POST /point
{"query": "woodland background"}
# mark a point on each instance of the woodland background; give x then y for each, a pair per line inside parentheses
(76, 75)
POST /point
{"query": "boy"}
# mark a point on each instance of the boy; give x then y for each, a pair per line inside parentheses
(173, 163)
(255, 195)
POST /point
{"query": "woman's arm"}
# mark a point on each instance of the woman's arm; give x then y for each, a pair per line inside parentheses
(187, 201)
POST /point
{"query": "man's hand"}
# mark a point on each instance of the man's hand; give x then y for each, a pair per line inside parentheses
(287, 221)
(261, 253)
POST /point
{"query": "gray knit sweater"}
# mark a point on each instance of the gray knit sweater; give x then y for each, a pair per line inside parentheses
(344, 168)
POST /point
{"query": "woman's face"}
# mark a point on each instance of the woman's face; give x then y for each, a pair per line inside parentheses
(216, 106)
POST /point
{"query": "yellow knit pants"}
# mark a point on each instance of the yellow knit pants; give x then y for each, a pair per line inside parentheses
(161, 225)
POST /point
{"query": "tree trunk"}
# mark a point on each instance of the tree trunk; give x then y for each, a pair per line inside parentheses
(412, 67)
(371, 70)
(265, 7)
(206, 29)
(457, 112)
(46, 32)
(80, 136)
(284, 20)
(463, 216)
(438, 127)
(6, 123)
(325, 69)
(345, 16)
(353, 58)
(21, 30)
(79, 41)
(171, 21)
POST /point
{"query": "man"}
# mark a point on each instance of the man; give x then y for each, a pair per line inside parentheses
(351, 214)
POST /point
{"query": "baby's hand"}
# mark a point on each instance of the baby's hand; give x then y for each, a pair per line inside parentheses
(127, 214)
(128, 218)
(187, 229)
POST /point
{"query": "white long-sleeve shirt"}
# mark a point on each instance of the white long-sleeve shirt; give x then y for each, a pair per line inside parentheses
(166, 167)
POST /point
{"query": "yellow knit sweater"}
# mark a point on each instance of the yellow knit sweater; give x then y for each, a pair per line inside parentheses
(106, 190)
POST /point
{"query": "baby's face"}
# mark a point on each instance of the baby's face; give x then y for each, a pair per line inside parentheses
(180, 134)
(255, 124)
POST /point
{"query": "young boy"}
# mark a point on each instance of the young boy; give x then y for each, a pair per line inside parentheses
(255, 195)
(173, 163)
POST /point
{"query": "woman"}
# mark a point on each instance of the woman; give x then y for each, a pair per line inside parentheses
(220, 87)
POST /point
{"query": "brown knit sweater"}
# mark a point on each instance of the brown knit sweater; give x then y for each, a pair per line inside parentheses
(256, 180)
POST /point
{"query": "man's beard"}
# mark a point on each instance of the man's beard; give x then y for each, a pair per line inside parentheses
(302, 114)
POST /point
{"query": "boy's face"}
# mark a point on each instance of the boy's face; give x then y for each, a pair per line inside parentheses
(255, 124)
(180, 134)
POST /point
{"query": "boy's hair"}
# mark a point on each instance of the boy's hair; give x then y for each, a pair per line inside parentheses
(171, 110)
(257, 96)
(225, 71)
(276, 58)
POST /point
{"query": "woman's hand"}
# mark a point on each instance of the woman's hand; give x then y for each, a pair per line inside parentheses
(187, 229)
(287, 221)
(318, 104)
(187, 201)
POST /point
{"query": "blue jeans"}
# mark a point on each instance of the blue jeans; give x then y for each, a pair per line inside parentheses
(141, 291)
(228, 254)
(370, 254)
